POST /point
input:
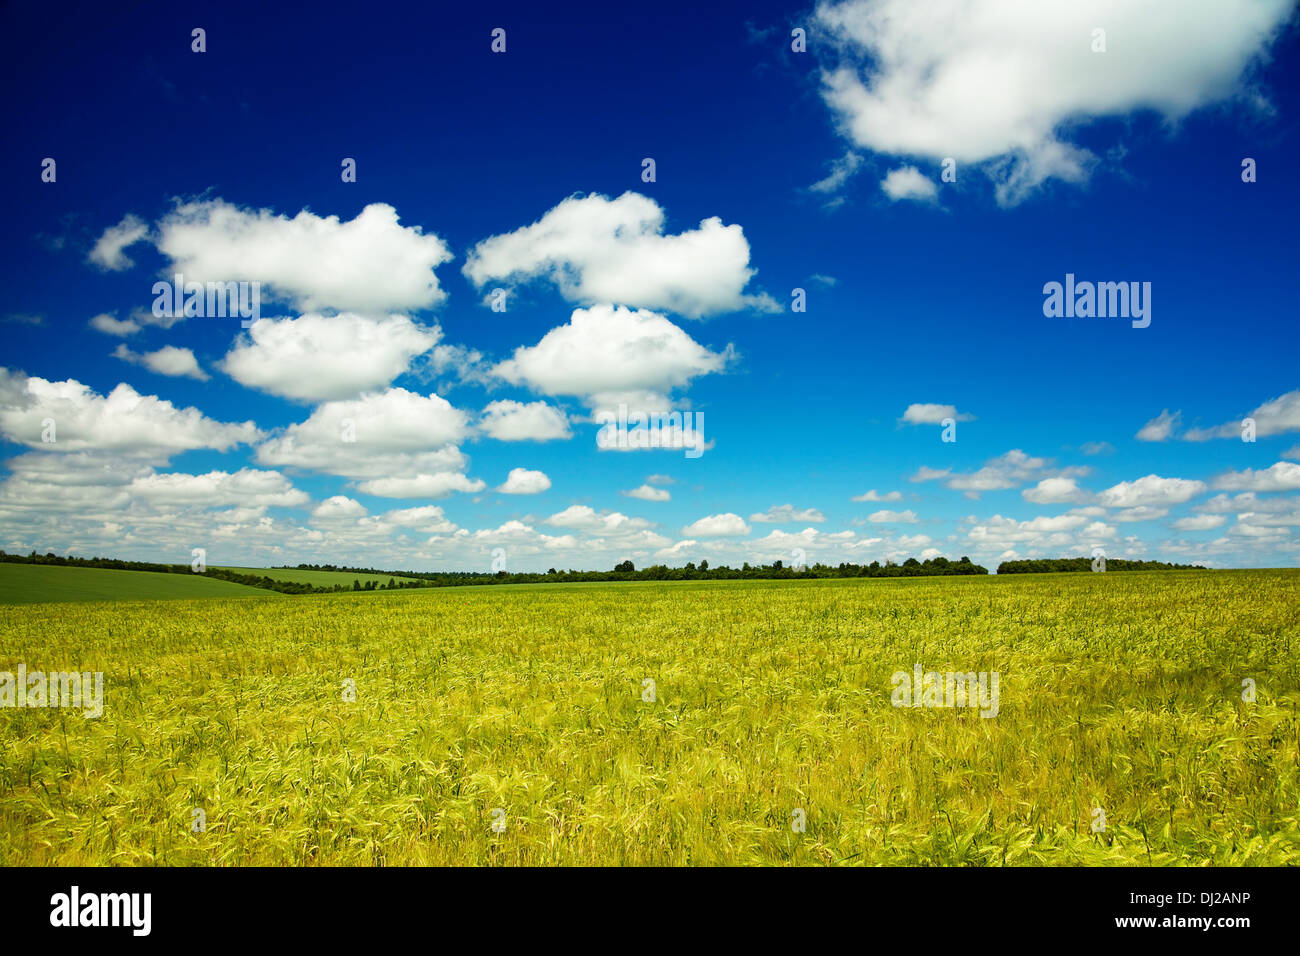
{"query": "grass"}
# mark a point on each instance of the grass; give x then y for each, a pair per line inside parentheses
(36, 583)
(1118, 691)
(318, 578)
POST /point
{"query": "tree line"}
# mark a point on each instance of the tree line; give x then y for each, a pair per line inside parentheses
(1044, 565)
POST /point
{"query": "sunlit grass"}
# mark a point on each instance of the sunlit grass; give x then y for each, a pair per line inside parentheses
(1121, 691)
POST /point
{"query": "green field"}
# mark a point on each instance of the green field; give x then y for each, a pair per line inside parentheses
(323, 579)
(1119, 692)
(37, 583)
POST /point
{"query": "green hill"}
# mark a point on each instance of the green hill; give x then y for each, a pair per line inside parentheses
(37, 583)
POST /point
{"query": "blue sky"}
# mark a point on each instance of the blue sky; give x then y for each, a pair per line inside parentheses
(775, 170)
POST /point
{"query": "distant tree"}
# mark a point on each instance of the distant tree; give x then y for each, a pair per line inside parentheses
(623, 567)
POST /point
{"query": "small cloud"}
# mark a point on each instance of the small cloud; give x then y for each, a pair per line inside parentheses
(717, 525)
(107, 252)
(168, 360)
(874, 495)
(842, 171)
(104, 322)
(925, 413)
(908, 182)
(781, 514)
(1160, 428)
(521, 481)
(1097, 448)
(648, 493)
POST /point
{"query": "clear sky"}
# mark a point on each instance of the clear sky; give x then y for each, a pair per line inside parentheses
(920, 171)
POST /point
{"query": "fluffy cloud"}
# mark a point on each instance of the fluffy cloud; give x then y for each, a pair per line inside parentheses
(338, 507)
(107, 252)
(248, 487)
(370, 264)
(598, 250)
(717, 525)
(1275, 417)
(1003, 80)
(106, 323)
(1056, 491)
(317, 358)
(1283, 476)
(1151, 491)
(931, 414)
(610, 355)
(908, 182)
(168, 360)
(1160, 428)
(874, 495)
(649, 493)
(1198, 522)
(885, 516)
(1006, 471)
(124, 422)
(517, 421)
(783, 514)
(423, 485)
(521, 481)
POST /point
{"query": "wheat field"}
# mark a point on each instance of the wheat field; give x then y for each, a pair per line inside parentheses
(517, 725)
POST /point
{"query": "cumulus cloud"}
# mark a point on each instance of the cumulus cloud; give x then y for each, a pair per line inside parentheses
(598, 250)
(1160, 428)
(609, 355)
(107, 252)
(1199, 522)
(519, 421)
(1151, 491)
(1004, 83)
(521, 481)
(1283, 476)
(908, 182)
(1006, 471)
(1055, 491)
(423, 485)
(648, 492)
(874, 495)
(317, 357)
(1275, 417)
(109, 325)
(923, 413)
(168, 360)
(248, 487)
(885, 516)
(370, 264)
(783, 514)
(339, 507)
(717, 525)
(123, 422)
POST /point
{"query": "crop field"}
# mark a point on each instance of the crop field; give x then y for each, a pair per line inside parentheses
(318, 578)
(1144, 718)
(35, 583)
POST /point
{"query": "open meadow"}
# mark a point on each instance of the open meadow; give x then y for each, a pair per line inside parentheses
(688, 723)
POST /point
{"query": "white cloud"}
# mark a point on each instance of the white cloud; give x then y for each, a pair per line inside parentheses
(885, 516)
(339, 507)
(784, 514)
(370, 264)
(1152, 491)
(717, 525)
(428, 519)
(248, 487)
(930, 414)
(1283, 476)
(437, 485)
(874, 495)
(107, 252)
(1199, 522)
(1160, 428)
(607, 355)
(517, 421)
(106, 323)
(521, 481)
(649, 493)
(842, 171)
(123, 422)
(1055, 491)
(168, 360)
(908, 182)
(1275, 417)
(598, 250)
(317, 358)
(1004, 82)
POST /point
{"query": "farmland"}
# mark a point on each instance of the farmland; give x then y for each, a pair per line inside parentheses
(532, 708)
(33, 583)
(320, 579)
